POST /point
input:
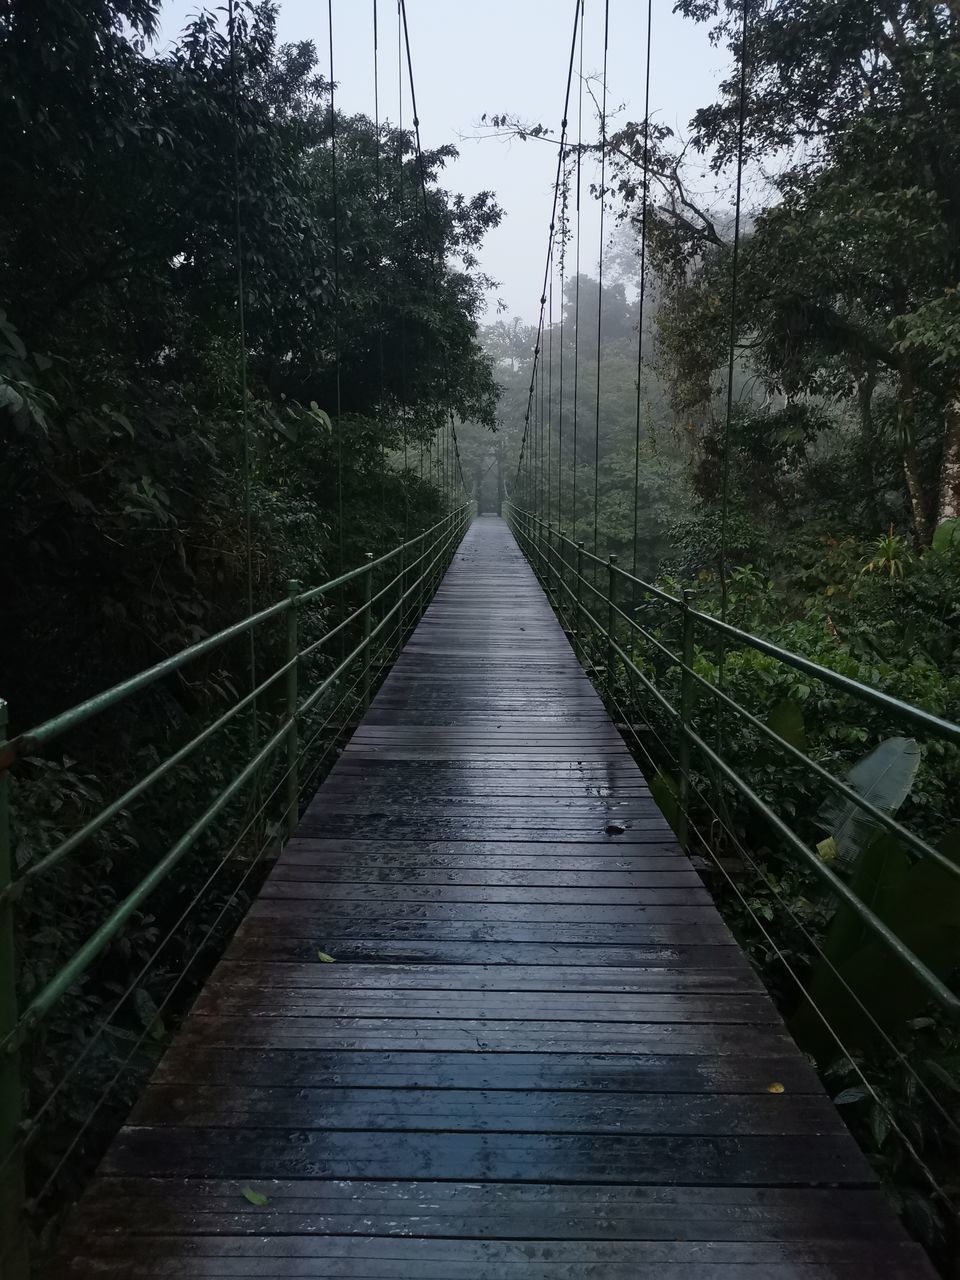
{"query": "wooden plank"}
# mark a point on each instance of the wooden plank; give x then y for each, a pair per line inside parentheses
(240, 1152)
(363, 877)
(267, 944)
(485, 977)
(401, 913)
(188, 1064)
(268, 920)
(538, 1052)
(486, 1111)
(280, 1001)
(376, 1258)
(489, 1210)
(468, 1035)
(424, 854)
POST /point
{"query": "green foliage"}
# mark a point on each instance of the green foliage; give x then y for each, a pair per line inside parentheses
(858, 984)
(123, 491)
(883, 778)
(666, 792)
(946, 539)
(891, 556)
(562, 437)
(785, 718)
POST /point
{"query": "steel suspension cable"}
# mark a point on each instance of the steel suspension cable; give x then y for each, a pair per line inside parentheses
(550, 236)
(242, 345)
(380, 220)
(732, 336)
(550, 394)
(543, 429)
(603, 203)
(453, 451)
(576, 300)
(643, 285)
(401, 148)
(336, 288)
(564, 230)
(731, 362)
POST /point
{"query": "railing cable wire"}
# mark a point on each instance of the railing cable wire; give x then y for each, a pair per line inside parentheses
(645, 189)
(603, 205)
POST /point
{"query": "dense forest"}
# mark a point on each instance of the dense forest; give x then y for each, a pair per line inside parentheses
(122, 424)
(236, 325)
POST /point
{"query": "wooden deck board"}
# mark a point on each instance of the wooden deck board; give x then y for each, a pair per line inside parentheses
(539, 1051)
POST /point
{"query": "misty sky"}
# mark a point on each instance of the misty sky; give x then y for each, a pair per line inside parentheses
(505, 55)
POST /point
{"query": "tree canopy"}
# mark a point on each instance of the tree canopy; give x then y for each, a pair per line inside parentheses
(129, 178)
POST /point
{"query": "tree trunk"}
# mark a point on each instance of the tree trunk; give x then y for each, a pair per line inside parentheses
(911, 463)
(918, 505)
(948, 506)
(865, 391)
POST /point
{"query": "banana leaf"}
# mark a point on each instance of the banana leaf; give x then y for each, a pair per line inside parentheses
(921, 904)
(884, 777)
(786, 719)
(666, 792)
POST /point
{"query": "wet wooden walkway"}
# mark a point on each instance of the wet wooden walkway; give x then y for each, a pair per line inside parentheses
(539, 1053)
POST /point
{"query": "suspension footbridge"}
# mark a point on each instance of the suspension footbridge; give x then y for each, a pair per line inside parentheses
(538, 1049)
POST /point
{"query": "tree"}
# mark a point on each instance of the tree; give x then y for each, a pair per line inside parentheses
(850, 275)
(120, 399)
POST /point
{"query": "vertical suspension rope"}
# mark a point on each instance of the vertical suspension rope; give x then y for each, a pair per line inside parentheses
(543, 438)
(451, 447)
(732, 336)
(242, 348)
(336, 287)
(564, 226)
(550, 397)
(576, 297)
(535, 458)
(643, 283)
(403, 327)
(380, 219)
(533, 437)
(553, 216)
(603, 203)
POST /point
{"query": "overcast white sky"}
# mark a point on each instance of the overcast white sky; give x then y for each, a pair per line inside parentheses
(496, 56)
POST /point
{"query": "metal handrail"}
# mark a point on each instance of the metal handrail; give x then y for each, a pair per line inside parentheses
(412, 585)
(45, 733)
(564, 559)
(444, 531)
(934, 724)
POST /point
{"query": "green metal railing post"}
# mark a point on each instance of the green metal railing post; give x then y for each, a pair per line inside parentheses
(562, 570)
(611, 623)
(367, 626)
(293, 706)
(686, 705)
(439, 551)
(13, 1236)
(402, 586)
(578, 625)
(435, 552)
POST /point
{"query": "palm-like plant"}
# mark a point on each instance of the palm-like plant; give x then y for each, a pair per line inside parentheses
(891, 556)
